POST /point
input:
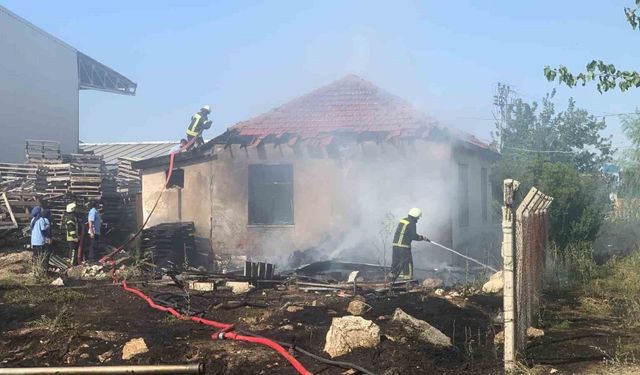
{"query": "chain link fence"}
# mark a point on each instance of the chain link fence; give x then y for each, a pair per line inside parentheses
(525, 238)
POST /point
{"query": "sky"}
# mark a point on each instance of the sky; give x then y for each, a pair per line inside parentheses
(246, 57)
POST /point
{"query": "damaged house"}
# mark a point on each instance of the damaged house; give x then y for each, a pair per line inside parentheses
(332, 171)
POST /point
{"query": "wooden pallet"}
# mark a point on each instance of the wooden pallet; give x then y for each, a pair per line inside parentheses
(42, 152)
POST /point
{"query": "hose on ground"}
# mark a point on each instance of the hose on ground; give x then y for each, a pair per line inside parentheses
(341, 364)
(227, 330)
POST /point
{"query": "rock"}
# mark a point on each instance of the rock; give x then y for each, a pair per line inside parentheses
(287, 327)
(105, 356)
(58, 282)
(240, 287)
(533, 333)
(75, 272)
(432, 283)
(498, 339)
(202, 286)
(553, 371)
(357, 307)
(84, 355)
(439, 292)
(133, 348)
(384, 317)
(454, 294)
(351, 332)
(423, 330)
(294, 308)
(495, 283)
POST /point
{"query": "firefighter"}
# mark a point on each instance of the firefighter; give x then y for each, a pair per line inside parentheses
(402, 261)
(199, 123)
(72, 227)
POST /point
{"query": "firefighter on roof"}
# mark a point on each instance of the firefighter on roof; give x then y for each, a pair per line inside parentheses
(199, 123)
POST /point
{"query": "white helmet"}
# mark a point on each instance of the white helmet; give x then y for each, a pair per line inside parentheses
(415, 212)
(206, 108)
(71, 207)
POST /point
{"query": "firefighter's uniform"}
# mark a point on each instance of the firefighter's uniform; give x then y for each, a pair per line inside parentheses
(199, 123)
(72, 227)
(402, 260)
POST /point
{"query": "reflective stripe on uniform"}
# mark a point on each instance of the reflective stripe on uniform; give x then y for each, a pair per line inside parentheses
(401, 237)
(194, 124)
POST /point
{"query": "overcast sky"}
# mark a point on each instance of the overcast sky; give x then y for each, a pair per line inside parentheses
(246, 57)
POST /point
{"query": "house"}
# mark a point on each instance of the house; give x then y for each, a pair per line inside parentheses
(333, 170)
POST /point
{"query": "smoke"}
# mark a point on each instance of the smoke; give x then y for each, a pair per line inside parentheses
(382, 192)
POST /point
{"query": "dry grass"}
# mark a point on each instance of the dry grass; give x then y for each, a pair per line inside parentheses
(62, 319)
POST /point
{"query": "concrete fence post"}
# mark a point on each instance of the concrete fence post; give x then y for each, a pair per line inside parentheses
(508, 243)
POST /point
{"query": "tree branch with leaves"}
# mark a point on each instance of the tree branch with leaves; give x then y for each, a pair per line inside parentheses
(606, 75)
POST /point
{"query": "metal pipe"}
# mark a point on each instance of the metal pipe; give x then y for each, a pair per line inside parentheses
(144, 369)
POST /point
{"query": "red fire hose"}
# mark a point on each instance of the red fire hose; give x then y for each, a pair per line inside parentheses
(226, 330)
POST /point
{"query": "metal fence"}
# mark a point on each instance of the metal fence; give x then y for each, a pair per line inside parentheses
(525, 237)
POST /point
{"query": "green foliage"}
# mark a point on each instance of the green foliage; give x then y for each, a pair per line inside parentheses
(630, 179)
(579, 199)
(560, 153)
(607, 75)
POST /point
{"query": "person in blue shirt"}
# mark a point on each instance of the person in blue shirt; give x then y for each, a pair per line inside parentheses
(40, 229)
(95, 222)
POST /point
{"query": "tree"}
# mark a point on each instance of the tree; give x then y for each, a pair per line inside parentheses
(526, 130)
(630, 181)
(607, 75)
(560, 153)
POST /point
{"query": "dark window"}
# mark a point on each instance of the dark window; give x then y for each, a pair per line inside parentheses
(176, 180)
(463, 195)
(484, 190)
(271, 194)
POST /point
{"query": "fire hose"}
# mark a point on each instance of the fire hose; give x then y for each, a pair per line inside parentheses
(464, 256)
(226, 330)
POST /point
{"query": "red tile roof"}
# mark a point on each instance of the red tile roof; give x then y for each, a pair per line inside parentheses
(350, 105)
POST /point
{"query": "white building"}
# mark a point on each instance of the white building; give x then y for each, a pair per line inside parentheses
(40, 79)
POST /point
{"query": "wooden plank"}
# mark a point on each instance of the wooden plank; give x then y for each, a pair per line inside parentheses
(8, 207)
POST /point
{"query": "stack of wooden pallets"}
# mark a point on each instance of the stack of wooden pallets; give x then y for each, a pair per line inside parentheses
(171, 245)
(86, 174)
(129, 179)
(11, 172)
(43, 152)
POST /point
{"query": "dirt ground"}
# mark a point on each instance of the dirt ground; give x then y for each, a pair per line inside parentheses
(88, 323)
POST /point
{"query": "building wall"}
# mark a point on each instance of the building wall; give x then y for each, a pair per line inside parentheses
(356, 198)
(479, 239)
(38, 89)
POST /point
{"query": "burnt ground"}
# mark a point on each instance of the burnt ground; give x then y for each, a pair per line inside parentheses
(88, 323)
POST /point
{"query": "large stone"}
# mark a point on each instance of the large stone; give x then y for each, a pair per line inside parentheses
(239, 287)
(58, 282)
(294, 308)
(421, 329)
(495, 283)
(534, 333)
(351, 332)
(133, 348)
(432, 283)
(357, 307)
